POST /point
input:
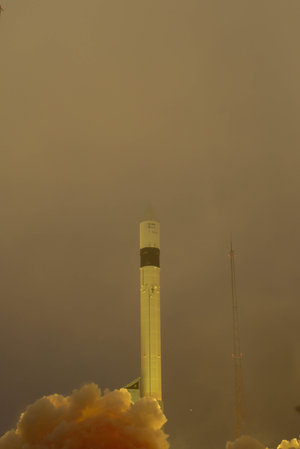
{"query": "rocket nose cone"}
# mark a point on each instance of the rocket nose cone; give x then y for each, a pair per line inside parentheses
(149, 213)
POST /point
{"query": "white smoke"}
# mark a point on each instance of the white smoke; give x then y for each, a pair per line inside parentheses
(88, 420)
(292, 444)
(247, 442)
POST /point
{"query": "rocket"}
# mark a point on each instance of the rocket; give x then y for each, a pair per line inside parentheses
(150, 383)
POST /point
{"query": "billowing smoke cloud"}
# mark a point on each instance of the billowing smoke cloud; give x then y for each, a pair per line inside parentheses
(88, 420)
(247, 442)
(292, 444)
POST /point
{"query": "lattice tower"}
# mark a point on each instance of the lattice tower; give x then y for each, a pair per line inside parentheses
(240, 408)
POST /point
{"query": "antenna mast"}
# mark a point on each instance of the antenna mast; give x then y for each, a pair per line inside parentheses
(240, 409)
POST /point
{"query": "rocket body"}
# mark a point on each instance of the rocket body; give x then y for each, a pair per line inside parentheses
(150, 309)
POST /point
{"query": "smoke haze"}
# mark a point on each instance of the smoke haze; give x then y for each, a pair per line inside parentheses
(193, 105)
(88, 420)
(292, 444)
(247, 442)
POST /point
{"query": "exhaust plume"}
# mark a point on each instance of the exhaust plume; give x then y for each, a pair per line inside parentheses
(86, 419)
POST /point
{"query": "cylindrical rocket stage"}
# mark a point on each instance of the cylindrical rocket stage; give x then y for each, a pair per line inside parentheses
(150, 309)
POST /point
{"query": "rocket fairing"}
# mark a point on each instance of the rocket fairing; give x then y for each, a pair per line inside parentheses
(150, 309)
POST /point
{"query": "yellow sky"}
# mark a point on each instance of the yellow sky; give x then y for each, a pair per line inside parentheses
(193, 105)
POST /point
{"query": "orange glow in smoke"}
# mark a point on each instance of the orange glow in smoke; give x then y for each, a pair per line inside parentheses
(86, 419)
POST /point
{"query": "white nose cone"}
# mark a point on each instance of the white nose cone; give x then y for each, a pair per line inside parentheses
(149, 214)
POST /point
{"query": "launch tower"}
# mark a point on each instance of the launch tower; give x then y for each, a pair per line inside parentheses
(240, 409)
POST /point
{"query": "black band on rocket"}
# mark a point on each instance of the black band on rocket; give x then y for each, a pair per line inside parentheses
(149, 257)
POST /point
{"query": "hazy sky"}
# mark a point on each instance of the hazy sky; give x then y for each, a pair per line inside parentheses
(195, 106)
